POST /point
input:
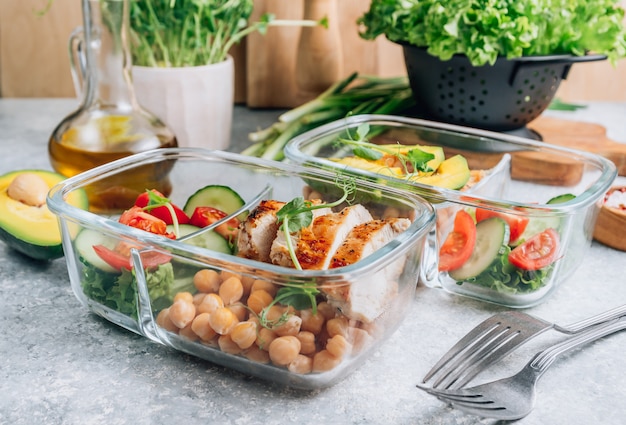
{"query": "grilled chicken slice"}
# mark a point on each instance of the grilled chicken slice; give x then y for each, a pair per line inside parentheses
(317, 243)
(365, 299)
(258, 231)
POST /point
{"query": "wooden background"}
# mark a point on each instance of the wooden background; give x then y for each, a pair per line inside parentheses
(34, 58)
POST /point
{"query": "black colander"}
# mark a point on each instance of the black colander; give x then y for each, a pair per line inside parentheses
(500, 97)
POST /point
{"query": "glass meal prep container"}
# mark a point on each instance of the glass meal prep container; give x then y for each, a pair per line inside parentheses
(201, 298)
(511, 234)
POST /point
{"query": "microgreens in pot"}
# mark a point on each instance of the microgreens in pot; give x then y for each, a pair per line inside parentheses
(179, 33)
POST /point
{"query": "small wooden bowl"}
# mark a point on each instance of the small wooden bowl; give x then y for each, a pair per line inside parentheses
(611, 225)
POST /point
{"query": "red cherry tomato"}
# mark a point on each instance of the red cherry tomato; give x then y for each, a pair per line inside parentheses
(162, 211)
(119, 261)
(517, 223)
(205, 216)
(138, 218)
(537, 252)
(459, 244)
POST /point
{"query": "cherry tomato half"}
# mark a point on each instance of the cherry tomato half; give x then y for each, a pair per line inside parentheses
(205, 216)
(537, 252)
(162, 211)
(517, 223)
(119, 261)
(138, 218)
(459, 244)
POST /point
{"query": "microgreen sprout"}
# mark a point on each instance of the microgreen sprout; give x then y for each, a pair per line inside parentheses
(412, 161)
(298, 214)
(155, 200)
(299, 296)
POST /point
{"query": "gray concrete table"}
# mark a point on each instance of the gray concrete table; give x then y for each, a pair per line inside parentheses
(60, 364)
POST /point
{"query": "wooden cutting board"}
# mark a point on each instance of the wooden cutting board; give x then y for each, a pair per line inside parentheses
(547, 169)
(583, 136)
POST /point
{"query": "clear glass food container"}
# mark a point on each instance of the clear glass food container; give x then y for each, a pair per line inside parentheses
(510, 236)
(334, 340)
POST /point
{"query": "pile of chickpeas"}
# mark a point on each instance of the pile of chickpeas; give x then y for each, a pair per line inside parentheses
(226, 313)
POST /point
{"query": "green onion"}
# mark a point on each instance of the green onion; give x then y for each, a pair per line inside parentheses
(353, 95)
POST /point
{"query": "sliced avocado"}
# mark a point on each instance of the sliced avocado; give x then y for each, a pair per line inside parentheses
(453, 173)
(33, 230)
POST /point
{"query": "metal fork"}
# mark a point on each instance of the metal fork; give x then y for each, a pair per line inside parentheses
(514, 397)
(494, 338)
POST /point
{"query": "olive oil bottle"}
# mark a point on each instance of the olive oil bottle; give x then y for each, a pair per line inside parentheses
(109, 124)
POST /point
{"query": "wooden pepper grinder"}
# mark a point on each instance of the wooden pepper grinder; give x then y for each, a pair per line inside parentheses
(319, 60)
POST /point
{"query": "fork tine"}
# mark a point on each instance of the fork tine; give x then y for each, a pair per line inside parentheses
(481, 331)
(481, 349)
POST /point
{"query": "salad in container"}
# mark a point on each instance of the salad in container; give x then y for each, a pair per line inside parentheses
(282, 272)
(514, 216)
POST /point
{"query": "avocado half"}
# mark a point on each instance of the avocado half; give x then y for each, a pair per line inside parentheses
(33, 231)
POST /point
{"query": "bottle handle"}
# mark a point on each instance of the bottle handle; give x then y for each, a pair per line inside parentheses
(78, 60)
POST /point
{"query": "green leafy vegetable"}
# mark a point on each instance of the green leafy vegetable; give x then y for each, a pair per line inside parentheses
(119, 291)
(502, 276)
(299, 296)
(485, 29)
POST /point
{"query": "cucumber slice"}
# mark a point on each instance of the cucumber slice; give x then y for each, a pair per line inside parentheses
(561, 198)
(537, 225)
(492, 237)
(221, 197)
(84, 243)
(207, 239)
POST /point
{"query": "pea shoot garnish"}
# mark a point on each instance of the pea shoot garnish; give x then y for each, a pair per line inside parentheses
(411, 161)
(298, 214)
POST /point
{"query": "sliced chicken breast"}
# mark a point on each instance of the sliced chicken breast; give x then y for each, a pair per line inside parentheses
(366, 299)
(258, 231)
(316, 244)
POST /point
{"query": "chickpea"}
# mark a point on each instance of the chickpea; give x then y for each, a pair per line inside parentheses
(264, 338)
(256, 354)
(301, 365)
(198, 297)
(337, 326)
(307, 342)
(327, 310)
(188, 333)
(275, 314)
(182, 313)
(164, 321)
(207, 281)
(240, 311)
(338, 346)
(324, 361)
(312, 322)
(244, 334)
(202, 327)
(222, 320)
(231, 290)
(258, 300)
(284, 350)
(210, 303)
(289, 327)
(246, 282)
(266, 285)
(360, 339)
(227, 345)
(185, 296)
(225, 274)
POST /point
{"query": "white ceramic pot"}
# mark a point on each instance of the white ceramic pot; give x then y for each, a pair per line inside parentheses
(195, 102)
